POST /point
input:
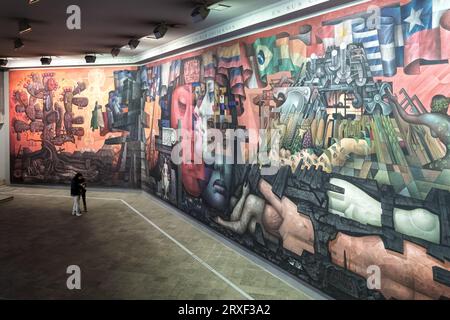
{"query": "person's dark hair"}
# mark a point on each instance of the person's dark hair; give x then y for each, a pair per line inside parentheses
(78, 175)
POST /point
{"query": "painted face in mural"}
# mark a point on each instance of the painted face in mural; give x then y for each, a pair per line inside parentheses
(183, 117)
(217, 192)
(212, 183)
(219, 177)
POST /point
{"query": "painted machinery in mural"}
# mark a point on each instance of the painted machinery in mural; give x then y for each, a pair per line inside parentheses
(344, 75)
(126, 109)
(346, 71)
(57, 126)
(334, 230)
(335, 81)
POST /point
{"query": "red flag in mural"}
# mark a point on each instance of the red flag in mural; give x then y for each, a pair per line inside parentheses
(424, 33)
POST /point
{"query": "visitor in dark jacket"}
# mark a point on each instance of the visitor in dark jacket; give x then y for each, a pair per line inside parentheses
(83, 192)
(75, 192)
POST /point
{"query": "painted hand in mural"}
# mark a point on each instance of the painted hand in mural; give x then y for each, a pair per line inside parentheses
(334, 156)
(437, 121)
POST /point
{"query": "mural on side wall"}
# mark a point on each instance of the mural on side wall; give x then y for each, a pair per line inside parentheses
(2, 100)
(361, 98)
(84, 120)
(360, 204)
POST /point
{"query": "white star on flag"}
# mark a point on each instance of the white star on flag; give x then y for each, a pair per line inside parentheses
(414, 19)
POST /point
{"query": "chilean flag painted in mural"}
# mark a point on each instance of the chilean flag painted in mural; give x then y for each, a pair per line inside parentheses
(422, 33)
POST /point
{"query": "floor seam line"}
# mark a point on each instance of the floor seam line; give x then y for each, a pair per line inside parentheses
(193, 255)
(168, 207)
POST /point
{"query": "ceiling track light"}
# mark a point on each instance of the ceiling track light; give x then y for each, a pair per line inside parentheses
(18, 44)
(219, 7)
(115, 52)
(160, 30)
(24, 26)
(45, 61)
(133, 43)
(33, 1)
(200, 13)
(3, 62)
(90, 58)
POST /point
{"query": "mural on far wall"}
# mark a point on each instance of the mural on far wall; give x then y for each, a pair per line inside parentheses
(84, 120)
(361, 99)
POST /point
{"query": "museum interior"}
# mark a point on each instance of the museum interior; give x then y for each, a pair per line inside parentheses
(225, 150)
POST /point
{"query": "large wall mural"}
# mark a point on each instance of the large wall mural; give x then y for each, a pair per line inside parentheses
(84, 120)
(359, 99)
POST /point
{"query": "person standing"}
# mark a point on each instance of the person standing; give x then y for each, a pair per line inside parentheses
(83, 192)
(75, 192)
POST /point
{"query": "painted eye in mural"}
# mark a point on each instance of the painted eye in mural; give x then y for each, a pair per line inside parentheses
(261, 57)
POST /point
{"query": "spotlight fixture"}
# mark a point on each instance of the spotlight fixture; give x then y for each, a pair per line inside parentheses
(18, 44)
(90, 58)
(24, 26)
(45, 61)
(160, 30)
(115, 52)
(200, 13)
(133, 43)
(219, 7)
(33, 1)
(3, 62)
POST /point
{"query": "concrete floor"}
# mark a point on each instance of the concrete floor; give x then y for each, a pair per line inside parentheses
(128, 246)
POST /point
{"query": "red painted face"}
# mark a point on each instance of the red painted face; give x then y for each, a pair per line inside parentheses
(182, 113)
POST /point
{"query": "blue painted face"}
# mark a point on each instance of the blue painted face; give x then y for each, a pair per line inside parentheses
(217, 191)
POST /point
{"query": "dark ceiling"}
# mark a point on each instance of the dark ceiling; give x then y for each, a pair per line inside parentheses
(112, 23)
(105, 23)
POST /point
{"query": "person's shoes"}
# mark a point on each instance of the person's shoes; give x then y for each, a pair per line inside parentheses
(74, 213)
(78, 214)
